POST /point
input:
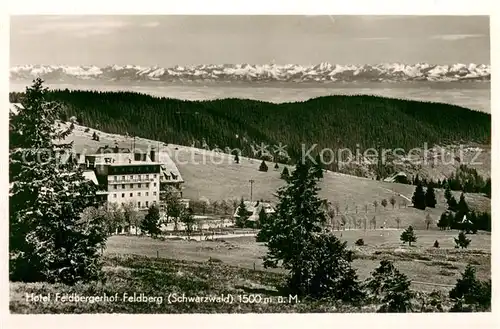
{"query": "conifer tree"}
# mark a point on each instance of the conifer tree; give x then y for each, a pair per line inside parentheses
(318, 165)
(450, 199)
(243, 214)
(263, 166)
(318, 264)
(444, 221)
(276, 166)
(471, 294)
(151, 222)
(285, 174)
(408, 236)
(389, 287)
(418, 198)
(430, 197)
(236, 158)
(462, 241)
(49, 240)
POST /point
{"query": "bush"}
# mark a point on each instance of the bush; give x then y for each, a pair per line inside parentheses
(359, 242)
(436, 244)
(87, 129)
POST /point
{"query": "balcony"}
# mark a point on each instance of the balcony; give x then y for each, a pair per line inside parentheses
(131, 180)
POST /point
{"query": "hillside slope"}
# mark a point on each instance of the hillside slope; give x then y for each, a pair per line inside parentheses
(333, 123)
(215, 176)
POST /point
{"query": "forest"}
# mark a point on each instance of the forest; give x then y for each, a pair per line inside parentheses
(333, 122)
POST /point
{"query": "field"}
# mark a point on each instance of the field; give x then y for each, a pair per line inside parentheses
(215, 176)
(234, 267)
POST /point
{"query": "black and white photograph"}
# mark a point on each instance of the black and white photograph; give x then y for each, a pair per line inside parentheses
(168, 164)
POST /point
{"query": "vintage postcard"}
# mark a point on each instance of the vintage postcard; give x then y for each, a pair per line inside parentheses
(169, 164)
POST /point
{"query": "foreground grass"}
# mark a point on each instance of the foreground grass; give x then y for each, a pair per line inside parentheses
(161, 278)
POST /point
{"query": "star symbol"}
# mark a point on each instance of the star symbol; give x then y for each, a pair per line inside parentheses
(280, 149)
(260, 149)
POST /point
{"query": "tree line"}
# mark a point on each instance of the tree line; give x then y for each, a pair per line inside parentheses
(330, 122)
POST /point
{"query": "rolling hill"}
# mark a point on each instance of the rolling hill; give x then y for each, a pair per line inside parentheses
(326, 123)
(215, 176)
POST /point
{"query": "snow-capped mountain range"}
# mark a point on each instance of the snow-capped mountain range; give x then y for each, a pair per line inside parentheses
(324, 72)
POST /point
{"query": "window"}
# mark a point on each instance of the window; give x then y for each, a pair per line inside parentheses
(147, 176)
(123, 177)
(131, 185)
(147, 185)
(115, 187)
(147, 203)
(131, 194)
(123, 186)
(138, 204)
(154, 176)
(154, 193)
(115, 178)
(147, 193)
(138, 193)
(139, 185)
(131, 176)
(114, 195)
(123, 195)
(154, 184)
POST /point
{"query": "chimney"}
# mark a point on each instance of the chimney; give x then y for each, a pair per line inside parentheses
(152, 155)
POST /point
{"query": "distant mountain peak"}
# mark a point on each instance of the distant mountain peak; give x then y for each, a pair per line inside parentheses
(322, 72)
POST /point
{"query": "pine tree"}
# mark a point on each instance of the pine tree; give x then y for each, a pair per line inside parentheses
(285, 174)
(462, 241)
(262, 217)
(418, 198)
(151, 222)
(263, 166)
(450, 199)
(470, 294)
(49, 240)
(408, 236)
(462, 205)
(276, 166)
(430, 197)
(389, 287)
(444, 221)
(243, 214)
(318, 264)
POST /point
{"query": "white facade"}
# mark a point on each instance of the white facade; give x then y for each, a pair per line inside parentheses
(141, 189)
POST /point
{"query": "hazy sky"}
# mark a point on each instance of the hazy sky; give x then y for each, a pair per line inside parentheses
(186, 40)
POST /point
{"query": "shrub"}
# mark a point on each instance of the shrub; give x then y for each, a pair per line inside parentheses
(359, 242)
(436, 244)
(87, 129)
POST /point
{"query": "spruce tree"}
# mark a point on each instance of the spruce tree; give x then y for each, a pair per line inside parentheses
(49, 240)
(471, 294)
(318, 165)
(430, 197)
(462, 205)
(418, 198)
(462, 241)
(285, 174)
(263, 166)
(390, 288)
(243, 214)
(444, 221)
(318, 264)
(450, 199)
(151, 222)
(408, 236)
